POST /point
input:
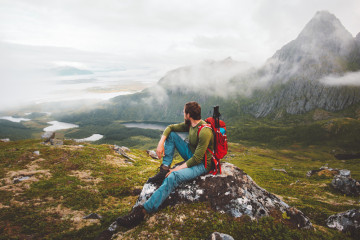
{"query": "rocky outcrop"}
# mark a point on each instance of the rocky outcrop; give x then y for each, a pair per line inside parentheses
(345, 184)
(122, 151)
(323, 48)
(152, 154)
(323, 171)
(219, 236)
(232, 192)
(348, 221)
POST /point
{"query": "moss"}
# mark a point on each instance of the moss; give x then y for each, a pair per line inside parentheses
(113, 196)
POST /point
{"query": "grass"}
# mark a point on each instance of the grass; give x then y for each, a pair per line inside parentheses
(94, 178)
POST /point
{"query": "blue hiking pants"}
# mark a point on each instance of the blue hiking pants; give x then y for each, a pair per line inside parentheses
(173, 141)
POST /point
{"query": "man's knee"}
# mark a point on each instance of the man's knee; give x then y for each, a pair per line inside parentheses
(171, 136)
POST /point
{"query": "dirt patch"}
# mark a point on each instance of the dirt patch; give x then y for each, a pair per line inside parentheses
(18, 181)
(73, 147)
(73, 215)
(85, 176)
(116, 161)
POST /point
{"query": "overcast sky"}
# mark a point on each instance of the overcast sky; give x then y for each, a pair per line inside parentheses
(147, 38)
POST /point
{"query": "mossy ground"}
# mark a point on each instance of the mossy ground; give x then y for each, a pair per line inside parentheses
(70, 181)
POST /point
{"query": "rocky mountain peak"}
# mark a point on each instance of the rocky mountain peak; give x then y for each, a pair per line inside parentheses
(325, 30)
(323, 24)
(357, 38)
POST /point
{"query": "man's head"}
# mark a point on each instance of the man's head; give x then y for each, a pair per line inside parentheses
(192, 110)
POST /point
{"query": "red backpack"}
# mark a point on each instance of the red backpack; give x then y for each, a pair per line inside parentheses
(220, 140)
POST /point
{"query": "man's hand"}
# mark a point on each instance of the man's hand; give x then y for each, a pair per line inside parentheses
(160, 152)
(182, 166)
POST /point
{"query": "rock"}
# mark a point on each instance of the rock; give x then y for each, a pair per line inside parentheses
(220, 236)
(93, 216)
(122, 152)
(5, 140)
(233, 192)
(21, 178)
(56, 142)
(348, 221)
(280, 170)
(152, 154)
(346, 185)
(47, 136)
(37, 153)
(125, 149)
(323, 171)
(345, 173)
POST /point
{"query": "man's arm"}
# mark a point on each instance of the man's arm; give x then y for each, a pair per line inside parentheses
(160, 151)
(181, 127)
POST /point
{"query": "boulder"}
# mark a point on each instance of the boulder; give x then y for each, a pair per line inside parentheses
(232, 192)
(348, 221)
(219, 236)
(56, 142)
(5, 140)
(47, 136)
(323, 171)
(122, 151)
(152, 154)
(346, 185)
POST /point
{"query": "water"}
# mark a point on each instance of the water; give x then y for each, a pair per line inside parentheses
(92, 138)
(154, 126)
(12, 119)
(56, 125)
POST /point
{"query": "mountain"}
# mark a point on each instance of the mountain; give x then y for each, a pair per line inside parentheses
(324, 47)
(290, 82)
(210, 76)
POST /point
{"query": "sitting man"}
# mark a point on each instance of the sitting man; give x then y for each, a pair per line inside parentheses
(194, 165)
(193, 153)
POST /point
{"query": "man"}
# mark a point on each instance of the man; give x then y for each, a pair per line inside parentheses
(194, 165)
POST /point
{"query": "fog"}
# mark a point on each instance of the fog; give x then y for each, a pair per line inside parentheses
(127, 46)
(349, 79)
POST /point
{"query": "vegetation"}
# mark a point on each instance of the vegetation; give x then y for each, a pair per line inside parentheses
(68, 182)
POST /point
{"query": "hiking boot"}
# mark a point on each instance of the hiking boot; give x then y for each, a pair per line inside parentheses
(134, 218)
(160, 176)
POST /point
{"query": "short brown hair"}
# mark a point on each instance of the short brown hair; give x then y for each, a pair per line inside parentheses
(194, 109)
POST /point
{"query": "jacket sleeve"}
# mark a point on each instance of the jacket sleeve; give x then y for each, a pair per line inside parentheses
(180, 127)
(200, 151)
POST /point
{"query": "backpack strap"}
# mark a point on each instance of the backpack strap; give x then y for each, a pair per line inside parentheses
(201, 127)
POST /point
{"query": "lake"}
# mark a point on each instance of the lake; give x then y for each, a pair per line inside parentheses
(92, 138)
(14, 119)
(154, 126)
(56, 125)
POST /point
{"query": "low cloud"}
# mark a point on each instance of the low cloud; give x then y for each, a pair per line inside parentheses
(349, 79)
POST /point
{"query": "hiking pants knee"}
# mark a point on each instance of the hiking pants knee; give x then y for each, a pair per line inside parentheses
(170, 183)
(175, 178)
(174, 141)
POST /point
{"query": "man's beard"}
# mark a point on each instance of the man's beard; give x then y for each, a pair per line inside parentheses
(187, 122)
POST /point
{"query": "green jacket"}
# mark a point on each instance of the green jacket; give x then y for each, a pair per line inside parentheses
(198, 145)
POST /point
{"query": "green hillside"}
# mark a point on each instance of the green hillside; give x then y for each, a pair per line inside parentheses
(71, 181)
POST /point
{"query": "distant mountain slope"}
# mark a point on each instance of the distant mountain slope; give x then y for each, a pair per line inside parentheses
(293, 81)
(324, 47)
